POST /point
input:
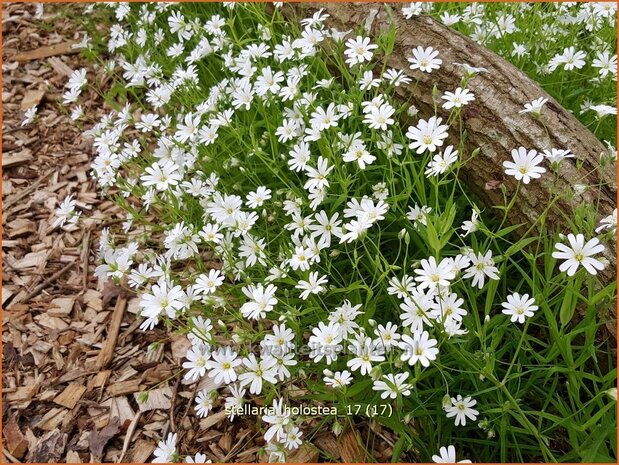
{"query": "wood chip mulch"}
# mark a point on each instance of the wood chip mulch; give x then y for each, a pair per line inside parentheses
(74, 361)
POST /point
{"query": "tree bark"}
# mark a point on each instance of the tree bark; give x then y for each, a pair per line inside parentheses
(493, 122)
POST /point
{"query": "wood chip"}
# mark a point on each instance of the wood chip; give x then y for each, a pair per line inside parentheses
(124, 387)
(212, 419)
(327, 442)
(23, 393)
(107, 351)
(306, 453)
(16, 442)
(70, 396)
(60, 66)
(13, 159)
(157, 399)
(64, 48)
(73, 457)
(51, 419)
(62, 306)
(32, 97)
(142, 450)
(121, 409)
(351, 449)
(49, 448)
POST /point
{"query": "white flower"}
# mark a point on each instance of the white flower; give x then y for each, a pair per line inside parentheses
(534, 107)
(318, 175)
(66, 213)
(556, 156)
(166, 450)
(324, 227)
(457, 98)
(197, 357)
(462, 409)
(368, 81)
(472, 225)
(325, 342)
(419, 348)
(162, 300)
(447, 455)
(603, 110)
(359, 50)
(210, 233)
(312, 286)
(578, 253)
(434, 274)
(605, 63)
(427, 135)
(204, 404)
(608, 223)
(481, 266)
(519, 50)
(570, 59)
(525, 165)
(199, 458)
(354, 229)
(235, 400)
(392, 385)
(323, 119)
(299, 156)
(418, 214)
(288, 130)
(262, 300)
(189, 130)
(337, 380)
(222, 364)
(388, 335)
(29, 115)
(380, 117)
(448, 308)
(300, 260)
(365, 351)
(264, 369)
(78, 79)
(425, 60)
(358, 153)
(519, 307)
(278, 418)
(257, 198)
(208, 284)
(161, 175)
(441, 162)
(414, 9)
(292, 437)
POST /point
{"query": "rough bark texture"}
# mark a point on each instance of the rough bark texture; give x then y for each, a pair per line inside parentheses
(493, 121)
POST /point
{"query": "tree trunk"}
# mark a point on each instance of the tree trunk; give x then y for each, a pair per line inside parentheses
(493, 121)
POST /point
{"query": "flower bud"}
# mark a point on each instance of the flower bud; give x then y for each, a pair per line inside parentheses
(376, 373)
(337, 428)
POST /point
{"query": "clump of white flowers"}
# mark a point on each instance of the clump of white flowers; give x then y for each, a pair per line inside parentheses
(285, 220)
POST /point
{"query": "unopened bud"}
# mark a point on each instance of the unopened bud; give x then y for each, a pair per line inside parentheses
(376, 373)
(337, 428)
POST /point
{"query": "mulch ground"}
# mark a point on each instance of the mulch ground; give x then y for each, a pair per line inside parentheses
(74, 361)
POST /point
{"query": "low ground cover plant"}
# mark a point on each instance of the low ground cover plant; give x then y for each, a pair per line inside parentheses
(318, 253)
(570, 48)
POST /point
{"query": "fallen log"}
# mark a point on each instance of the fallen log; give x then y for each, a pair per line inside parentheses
(493, 122)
